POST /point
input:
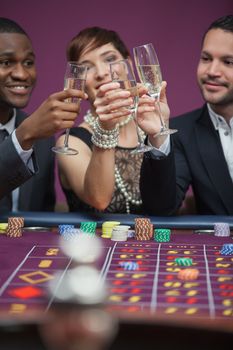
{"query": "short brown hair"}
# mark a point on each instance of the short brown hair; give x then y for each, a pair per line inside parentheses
(93, 37)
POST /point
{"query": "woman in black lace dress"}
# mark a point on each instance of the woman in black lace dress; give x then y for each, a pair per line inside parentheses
(98, 178)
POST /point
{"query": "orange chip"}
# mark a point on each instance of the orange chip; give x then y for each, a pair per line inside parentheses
(188, 274)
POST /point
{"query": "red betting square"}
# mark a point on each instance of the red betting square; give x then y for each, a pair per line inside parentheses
(26, 292)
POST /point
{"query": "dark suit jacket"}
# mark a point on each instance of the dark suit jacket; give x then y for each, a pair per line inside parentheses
(36, 193)
(196, 159)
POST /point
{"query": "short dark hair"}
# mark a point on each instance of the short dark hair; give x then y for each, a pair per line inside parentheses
(225, 23)
(9, 26)
(93, 37)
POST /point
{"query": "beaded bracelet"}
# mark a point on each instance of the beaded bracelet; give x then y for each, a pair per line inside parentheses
(102, 138)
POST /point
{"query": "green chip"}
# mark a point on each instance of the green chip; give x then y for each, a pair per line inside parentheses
(88, 227)
(162, 230)
(162, 234)
(184, 261)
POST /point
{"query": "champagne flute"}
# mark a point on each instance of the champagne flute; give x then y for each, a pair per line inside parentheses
(149, 72)
(122, 72)
(75, 77)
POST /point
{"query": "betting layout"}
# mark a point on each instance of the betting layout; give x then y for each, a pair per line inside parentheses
(153, 284)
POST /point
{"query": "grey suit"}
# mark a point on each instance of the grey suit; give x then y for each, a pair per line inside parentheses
(37, 191)
(196, 159)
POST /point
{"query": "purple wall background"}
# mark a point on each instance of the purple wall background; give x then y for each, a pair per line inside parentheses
(175, 27)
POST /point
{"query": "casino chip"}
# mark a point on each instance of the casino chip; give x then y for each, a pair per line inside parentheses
(129, 265)
(188, 274)
(162, 235)
(71, 234)
(227, 249)
(184, 261)
(107, 228)
(3, 227)
(222, 229)
(120, 233)
(62, 228)
(15, 225)
(88, 227)
(143, 229)
(68, 232)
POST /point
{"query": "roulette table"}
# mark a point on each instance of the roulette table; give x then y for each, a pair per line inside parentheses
(151, 304)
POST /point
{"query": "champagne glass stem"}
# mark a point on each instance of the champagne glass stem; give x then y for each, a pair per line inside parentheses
(164, 130)
(163, 125)
(139, 137)
(66, 143)
(141, 147)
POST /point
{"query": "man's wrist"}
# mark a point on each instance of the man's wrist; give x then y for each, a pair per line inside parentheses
(23, 136)
(163, 150)
(18, 146)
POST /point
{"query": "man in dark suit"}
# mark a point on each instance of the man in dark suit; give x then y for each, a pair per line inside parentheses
(200, 154)
(25, 142)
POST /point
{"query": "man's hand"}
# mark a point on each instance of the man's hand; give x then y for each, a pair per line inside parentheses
(53, 115)
(148, 116)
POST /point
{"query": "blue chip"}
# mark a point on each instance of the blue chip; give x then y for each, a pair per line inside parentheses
(65, 227)
(129, 265)
(227, 249)
(71, 234)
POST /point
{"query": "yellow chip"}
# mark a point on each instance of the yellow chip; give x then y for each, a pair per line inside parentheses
(110, 224)
(3, 227)
(107, 227)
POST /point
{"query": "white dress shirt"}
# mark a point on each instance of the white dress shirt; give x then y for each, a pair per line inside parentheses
(226, 137)
(225, 131)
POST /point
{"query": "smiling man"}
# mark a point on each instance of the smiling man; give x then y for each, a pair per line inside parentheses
(26, 141)
(201, 153)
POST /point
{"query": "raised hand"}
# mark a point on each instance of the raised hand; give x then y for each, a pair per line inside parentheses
(53, 115)
(149, 115)
(111, 104)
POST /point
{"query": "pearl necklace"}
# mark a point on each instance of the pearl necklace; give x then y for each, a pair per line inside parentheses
(122, 188)
(90, 119)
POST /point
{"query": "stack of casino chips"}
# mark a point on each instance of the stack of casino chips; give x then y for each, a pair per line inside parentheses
(227, 249)
(107, 228)
(3, 227)
(68, 231)
(143, 229)
(222, 229)
(120, 233)
(88, 227)
(162, 235)
(64, 228)
(15, 225)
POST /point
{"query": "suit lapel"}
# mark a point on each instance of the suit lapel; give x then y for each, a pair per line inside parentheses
(211, 152)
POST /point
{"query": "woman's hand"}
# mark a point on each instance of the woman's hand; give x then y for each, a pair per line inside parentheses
(111, 104)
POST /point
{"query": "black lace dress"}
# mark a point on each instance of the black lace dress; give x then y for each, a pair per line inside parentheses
(129, 166)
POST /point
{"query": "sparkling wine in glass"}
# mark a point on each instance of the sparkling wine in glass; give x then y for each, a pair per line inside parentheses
(122, 72)
(75, 78)
(149, 72)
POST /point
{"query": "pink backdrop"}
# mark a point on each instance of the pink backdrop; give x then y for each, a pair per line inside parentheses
(175, 27)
